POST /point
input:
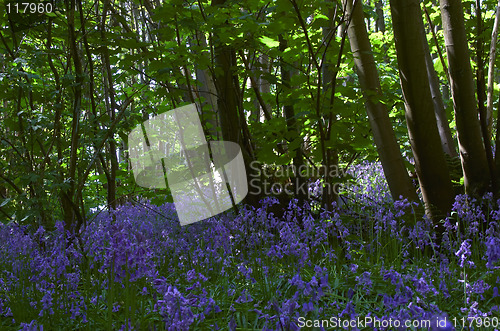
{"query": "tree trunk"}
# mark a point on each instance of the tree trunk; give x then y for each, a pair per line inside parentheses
(208, 92)
(299, 182)
(380, 23)
(481, 93)
(491, 73)
(471, 147)
(430, 163)
(387, 146)
(67, 196)
(368, 21)
(442, 122)
(263, 87)
(111, 106)
(231, 117)
(330, 155)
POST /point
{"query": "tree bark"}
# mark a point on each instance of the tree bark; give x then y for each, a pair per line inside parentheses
(442, 122)
(67, 196)
(481, 94)
(231, 117)
(208, 92)
(300, 189)
(111, 106)
(430, 163)
(491, 73)
(328, 86)
(471, 147)
(395, 171)
(262, 87)
(380, 23)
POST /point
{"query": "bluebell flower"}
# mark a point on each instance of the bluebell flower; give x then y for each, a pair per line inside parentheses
(492, 251)
(464, 252)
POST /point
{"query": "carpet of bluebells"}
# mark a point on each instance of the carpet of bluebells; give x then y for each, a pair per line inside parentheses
(137, 269)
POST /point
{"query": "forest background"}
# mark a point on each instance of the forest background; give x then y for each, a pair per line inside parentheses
(319, 84)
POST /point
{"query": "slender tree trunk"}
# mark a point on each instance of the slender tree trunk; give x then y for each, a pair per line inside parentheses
(208, 92)
(263, 87)
(442, 122)
(293, 130)
(491, 73)
(231, 117)
(497, 144)
(331, 155)
(481, 94)
(387, 146)
(227, 102)
(111, 107)
(430, 163)
(471, 147)
(261, 105)
(70, 210)
(368, 20)
(203, 89)
(380, 23)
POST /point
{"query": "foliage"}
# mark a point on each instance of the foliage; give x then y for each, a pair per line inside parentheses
(154, 55)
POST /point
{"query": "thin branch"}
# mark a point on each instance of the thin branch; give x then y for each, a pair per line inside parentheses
(11, 183)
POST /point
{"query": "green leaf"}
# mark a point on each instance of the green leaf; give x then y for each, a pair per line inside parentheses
(438, 66)
(271, 43)
(4, 202)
